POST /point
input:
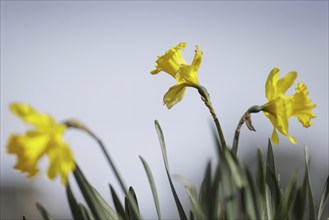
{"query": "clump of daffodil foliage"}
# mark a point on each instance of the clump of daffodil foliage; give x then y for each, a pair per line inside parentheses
(228, 191)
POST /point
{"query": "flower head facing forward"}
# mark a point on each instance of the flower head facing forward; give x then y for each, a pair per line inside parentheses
(281, 107)
(173, 62)
(45, 139)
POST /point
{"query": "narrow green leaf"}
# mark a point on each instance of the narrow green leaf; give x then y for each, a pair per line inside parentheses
(271, 178)
(269, 203)
(253, 204)
(180, 209)
(152, 185)
(85, 213)
(228, 188)
(299, 204)
(133, 198)
(260, 173)
(192, 194)
(287, 199)
(309, 187)
(235, 172)
(44, 213)
(74, 206)
(323, 198)
(215, 198)
(205, 196)
(191, 215)
(99, 208)
(24, 218)
(118, 206)
(162, 144)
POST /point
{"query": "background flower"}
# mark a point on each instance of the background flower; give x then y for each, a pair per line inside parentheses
(45, 139)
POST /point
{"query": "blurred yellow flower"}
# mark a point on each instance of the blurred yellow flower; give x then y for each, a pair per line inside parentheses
(45, 139)
(173, 62)
(281, 107)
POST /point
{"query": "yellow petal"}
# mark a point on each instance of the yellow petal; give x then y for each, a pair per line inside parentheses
(61, 162)
(31, 116)
(285, 83)
(174, 95)
(197, 60)
(292, 139)
(29, 149)
(275, 137)
(270, 87)
(302, 107)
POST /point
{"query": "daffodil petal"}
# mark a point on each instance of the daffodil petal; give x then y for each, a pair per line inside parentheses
(275, 137)
(29, 149)
(197, 60)
(285, 82)
(174, 95)
(31, 116)
(270, 86)
(292, 139)
(61, 162)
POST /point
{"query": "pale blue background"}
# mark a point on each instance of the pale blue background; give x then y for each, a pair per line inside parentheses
(91, 61)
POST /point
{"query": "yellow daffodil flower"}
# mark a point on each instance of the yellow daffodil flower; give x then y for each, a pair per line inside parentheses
(173, 62)
(45, 139)
(281, 107)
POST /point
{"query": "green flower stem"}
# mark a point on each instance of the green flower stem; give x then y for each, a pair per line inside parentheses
(206, 99)
(78, 125)
(246, 118)
(220, 132)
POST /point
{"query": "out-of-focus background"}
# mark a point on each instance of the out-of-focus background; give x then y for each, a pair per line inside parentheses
(91, 61)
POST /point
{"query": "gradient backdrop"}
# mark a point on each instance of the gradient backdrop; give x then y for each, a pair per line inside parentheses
(90, 60)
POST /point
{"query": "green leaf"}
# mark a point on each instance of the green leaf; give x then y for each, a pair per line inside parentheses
(44, 213)
(235, 171)
(85, 213)
(311, 205)
(299, 205)
(152, 185)
(270, 175)
(323, 198)
(287, 200)
(251, 195)
(191, 215)
(192, 194)
(228, 188)
(74, 206)
(260, 173)
(180, 209)
(269, 203)
(99, 208)
(24, 218)
(128, 207)
(118, 206)
(205, 197)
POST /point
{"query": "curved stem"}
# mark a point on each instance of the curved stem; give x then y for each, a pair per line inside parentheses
(246, 117)
(78, 125)
(206, 99)
(220, 132)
